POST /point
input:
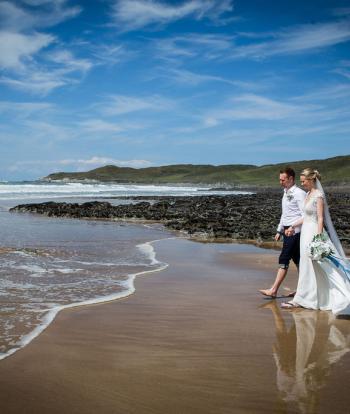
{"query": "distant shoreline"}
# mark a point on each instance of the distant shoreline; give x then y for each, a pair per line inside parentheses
(335, 172)
(208, 186)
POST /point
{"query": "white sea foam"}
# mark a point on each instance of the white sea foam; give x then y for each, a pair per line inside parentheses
(66, 270)
(30, 268)
(129, 288)
(37, 271)
(37, 190)
(14, 285)
(22, 253)
(148, 250)
(107, 264)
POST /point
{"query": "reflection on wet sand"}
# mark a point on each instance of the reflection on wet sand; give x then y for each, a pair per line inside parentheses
(307, 345)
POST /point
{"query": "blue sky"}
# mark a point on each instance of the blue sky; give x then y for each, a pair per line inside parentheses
(144, 83)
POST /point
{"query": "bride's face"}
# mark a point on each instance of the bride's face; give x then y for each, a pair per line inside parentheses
(307, 184)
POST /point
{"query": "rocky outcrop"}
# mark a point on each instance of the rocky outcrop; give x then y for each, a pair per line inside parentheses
(241, 217)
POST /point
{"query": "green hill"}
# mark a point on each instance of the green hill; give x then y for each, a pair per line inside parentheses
(335, 171)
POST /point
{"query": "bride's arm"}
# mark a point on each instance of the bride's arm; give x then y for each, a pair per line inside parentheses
(298, 222)
(320, 210)
(291, 230)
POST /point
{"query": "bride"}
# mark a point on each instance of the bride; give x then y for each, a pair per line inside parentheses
(322, 284)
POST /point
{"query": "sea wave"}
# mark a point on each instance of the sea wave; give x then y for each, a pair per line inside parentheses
(128, 286)
(37, 190)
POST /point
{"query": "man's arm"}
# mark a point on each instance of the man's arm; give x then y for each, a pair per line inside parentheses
(280, 226)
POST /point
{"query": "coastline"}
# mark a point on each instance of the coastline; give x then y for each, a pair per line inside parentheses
(128, 284)
(241, 217)
(227, 221)
(196, 337)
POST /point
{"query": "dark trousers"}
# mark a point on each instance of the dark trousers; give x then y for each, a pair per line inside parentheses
(290, 250)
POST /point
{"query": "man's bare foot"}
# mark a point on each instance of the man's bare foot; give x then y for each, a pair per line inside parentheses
(268, 292)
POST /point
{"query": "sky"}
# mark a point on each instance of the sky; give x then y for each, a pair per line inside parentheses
(142, 83)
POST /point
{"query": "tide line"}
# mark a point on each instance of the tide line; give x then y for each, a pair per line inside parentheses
(130, 289)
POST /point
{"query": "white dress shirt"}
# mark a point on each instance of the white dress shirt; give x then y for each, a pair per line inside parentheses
(292, 208)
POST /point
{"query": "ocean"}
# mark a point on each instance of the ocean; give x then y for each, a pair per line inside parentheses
(48, 264)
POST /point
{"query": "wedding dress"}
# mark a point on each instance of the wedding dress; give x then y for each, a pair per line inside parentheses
(322, 284)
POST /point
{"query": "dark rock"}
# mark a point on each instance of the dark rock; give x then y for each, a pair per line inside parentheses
(244, 216)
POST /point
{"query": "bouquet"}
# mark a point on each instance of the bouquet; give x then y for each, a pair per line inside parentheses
(319, 248)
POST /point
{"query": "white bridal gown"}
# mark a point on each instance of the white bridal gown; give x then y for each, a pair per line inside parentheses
(321, 284)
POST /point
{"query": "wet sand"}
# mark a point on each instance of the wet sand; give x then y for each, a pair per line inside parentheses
(195, 338)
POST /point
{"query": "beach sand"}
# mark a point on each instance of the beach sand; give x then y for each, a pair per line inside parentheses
(195, 338)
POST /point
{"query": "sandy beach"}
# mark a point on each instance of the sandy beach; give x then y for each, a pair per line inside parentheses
(195, 338)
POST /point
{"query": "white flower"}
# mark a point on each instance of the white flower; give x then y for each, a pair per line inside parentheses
(289, 196)
(319, 248)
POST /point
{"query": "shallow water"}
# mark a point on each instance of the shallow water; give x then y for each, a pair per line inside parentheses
(47, 264)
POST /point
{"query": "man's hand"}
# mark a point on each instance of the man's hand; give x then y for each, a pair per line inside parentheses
(277, 236)
(289, 232)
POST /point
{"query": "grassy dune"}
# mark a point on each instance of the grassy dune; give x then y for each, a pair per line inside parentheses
(335, 171)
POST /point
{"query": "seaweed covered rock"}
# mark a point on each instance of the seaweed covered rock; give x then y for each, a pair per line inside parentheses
(244, 216)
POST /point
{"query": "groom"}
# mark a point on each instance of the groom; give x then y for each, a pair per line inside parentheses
(292, 210)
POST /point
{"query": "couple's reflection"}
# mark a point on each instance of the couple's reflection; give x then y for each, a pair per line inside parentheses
(307, 344)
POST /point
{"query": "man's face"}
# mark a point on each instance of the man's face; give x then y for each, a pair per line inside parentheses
(285, 181)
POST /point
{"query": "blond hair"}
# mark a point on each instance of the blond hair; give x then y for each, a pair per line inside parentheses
(311, 174)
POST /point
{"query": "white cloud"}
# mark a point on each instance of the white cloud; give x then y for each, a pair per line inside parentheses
(135, 14)
(252, 106)
(121, 104)
(207, 46)
(344, 72)
(47, 166)
(297, 39)
(322, 114)
(290, 40)
(45, 131)
(13, 17)
(68, 62)
(111, 54)
(338, 93)
(98, 125)
(343, 69)
(210, 122)
(191, 78)
(55, 69)
(97, 161)
(186, 76)
(37, 83)
(41, 2)
(24, 109)
(16, 48)
(248, 107)
(26, 55)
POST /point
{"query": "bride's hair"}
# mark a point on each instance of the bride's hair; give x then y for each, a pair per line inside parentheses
(311, 174)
